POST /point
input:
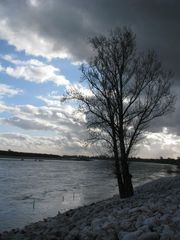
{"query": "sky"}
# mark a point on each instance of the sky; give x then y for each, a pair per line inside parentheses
(43, 43)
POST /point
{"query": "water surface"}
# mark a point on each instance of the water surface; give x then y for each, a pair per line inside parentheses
(32, 190)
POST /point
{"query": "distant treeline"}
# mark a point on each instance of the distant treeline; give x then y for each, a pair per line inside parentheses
(25, 155)
(44, 156)
(160, 160)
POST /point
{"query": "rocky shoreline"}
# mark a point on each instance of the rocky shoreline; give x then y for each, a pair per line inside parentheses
(152, 213)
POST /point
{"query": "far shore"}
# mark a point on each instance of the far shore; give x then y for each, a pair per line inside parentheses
(69, 158)
(22, 156)
(152, 213)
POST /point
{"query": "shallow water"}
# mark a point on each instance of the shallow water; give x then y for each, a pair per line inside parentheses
(32, 190)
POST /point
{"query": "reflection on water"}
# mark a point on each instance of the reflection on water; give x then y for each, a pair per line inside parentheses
(30, 191)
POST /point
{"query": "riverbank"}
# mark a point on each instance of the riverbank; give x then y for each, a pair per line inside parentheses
(26, 156)
(152, 213)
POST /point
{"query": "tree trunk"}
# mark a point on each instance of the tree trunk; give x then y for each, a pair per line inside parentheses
(117, 164)
(128, 187)
(119, 178)
(127, 179)
(122, 172)
(125, 186)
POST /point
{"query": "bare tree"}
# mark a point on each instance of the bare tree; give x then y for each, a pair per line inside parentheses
(129, 89)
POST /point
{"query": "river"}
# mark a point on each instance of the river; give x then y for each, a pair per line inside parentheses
(32, 190)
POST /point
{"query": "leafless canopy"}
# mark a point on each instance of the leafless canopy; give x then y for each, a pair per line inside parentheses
(129, 90)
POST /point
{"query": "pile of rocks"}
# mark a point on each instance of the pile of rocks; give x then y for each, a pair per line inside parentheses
(152, 213)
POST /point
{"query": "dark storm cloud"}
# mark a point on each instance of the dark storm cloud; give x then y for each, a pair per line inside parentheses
(66, 25)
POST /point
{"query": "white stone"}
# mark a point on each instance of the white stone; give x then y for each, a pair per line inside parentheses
(131, 235)
(165, 218)
(149, 221)
(177, 237)
(167, 233)
(144, 228)
(125, 224)
(97, 223)
(177, 213)
(176, 219)
(149, 236)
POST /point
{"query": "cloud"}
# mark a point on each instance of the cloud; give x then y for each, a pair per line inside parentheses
(34, 70)
(65, 32)
(164, 143)
(52, 119)
(54, 28)
(63, 130)
(54, 145)
(60, 29)
(24, 32)
(9, 91)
